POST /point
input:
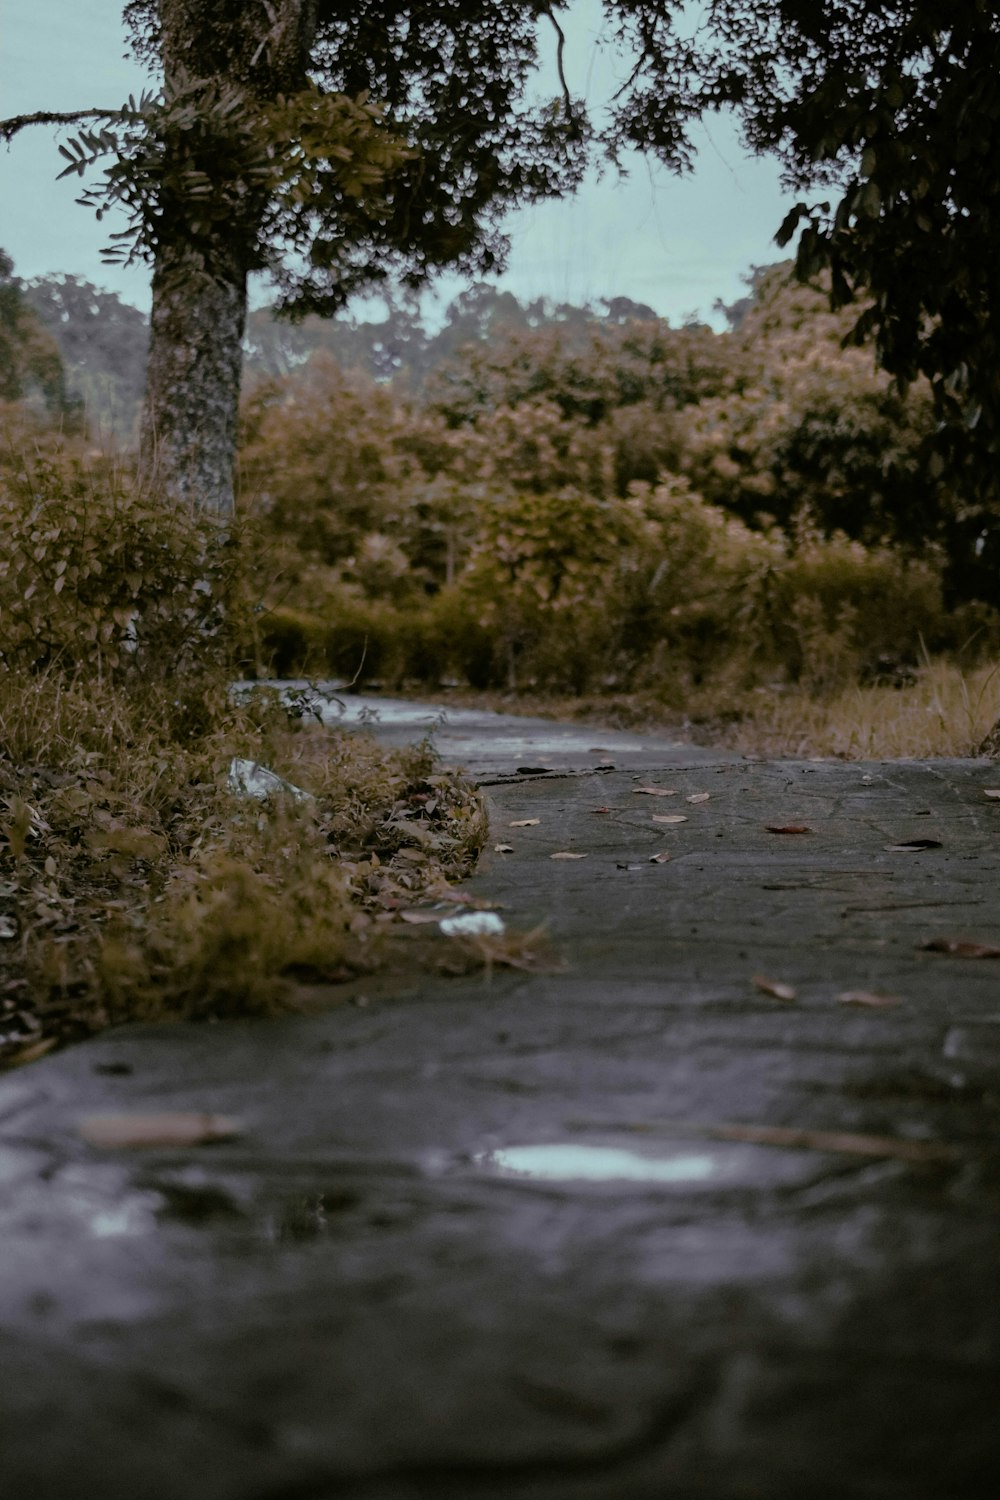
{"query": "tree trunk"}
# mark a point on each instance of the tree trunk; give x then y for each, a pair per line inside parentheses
(192, 395)
(191, 406)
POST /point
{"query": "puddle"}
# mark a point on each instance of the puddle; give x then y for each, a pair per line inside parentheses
(661, 1162)
(567, 1162)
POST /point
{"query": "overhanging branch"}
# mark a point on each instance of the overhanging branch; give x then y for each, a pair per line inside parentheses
(10, 128)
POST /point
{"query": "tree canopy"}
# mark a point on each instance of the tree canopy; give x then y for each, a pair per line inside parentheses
(887, 113)
(333, 145)
(30, 363)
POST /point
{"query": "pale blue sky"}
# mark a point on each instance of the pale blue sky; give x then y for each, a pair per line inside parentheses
(677, 244)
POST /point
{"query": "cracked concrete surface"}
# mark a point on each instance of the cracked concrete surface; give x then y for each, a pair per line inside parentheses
(364, 1295)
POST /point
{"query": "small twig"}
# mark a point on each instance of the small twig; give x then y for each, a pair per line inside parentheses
(361, 665)
(630, 79)
(560, 48)
(514, 779)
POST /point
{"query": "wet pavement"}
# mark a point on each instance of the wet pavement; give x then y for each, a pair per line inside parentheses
(634, 1227)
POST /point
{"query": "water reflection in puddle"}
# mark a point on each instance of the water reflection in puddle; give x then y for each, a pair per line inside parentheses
(123, 1219)
(566, 1162)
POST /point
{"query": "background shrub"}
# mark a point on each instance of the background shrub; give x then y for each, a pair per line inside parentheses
(98, 574)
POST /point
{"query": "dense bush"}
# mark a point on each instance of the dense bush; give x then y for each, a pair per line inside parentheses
(816, 434)
(98, 574)
(580, 507)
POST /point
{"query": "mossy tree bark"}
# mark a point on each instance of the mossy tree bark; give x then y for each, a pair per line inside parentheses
(193, 379)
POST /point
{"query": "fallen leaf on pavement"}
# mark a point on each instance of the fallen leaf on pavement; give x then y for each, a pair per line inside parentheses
(669, 818)
(959, 948)
(503, 848)
(698, 797)
(991, 791)
(913, 846)
(29, 1053)
(837, 1140)
(596, 810)
(871, 998)
(659, 859)
(653, 791)
(774, 987)
(788, 828)
(567, 854)
(182, 1128)
(524, 823)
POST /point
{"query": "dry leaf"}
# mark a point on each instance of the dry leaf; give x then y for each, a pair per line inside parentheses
(653, 791)
(959, 948)
(991, 791)
(596, 810)
(698, 797)
(871, 998)
(659, 859)
(524, 823)
(913, 846)
(503, 848)
(774, 987)
(30, 1053)
(669, 818)
(182, 1128)
(417, 916)
(837, 1140)
(567, 854)
(788, 828)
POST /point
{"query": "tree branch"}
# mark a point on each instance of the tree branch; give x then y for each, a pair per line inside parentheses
(10, 128)
(560, 48)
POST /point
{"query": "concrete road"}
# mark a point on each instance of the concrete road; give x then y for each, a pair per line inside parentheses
(710, 1211)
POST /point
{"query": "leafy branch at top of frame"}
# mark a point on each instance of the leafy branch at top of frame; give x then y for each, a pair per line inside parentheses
(11, 127)
(214, 155)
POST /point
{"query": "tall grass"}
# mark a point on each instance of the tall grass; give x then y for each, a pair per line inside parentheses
(945, 712)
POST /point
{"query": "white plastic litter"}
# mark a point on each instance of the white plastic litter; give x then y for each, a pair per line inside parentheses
(248, 778)
(473, 924)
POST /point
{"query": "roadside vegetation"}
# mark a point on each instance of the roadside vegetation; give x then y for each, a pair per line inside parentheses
(560, 510)
(138, 879)
(745, 532)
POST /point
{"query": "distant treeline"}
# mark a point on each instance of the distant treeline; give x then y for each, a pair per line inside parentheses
(89, 348)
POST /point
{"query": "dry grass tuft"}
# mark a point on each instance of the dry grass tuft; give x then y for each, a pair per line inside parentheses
(945, 712)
